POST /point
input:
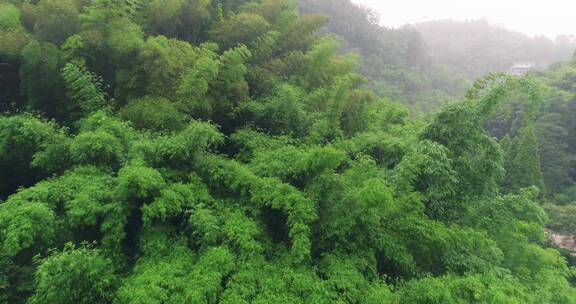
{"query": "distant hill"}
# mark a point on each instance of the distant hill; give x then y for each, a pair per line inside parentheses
(395, 61)
(426, 64)
(477, 47)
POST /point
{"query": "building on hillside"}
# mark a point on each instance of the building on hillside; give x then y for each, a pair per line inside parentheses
(522, 68)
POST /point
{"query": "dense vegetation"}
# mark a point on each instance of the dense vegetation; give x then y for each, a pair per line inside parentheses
(224, 151)
(397, 63)
(426, 64)
(552, 133)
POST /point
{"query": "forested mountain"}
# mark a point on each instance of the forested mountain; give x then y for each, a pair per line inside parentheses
(397, 62)
(227, 151)
(477, 47)
(426, 64)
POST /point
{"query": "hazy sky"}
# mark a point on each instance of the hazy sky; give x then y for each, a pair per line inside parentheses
(533, 17)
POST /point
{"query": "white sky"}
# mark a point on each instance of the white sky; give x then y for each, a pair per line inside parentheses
(533, 17)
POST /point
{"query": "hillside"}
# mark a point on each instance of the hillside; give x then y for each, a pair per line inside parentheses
(552, 119)
(397, 62)
(427, 64)
(228, 151)
(476, 48)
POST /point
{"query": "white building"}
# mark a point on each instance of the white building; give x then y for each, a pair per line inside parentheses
(521, 68)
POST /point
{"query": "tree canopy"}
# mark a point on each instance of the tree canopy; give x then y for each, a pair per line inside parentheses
(224, 151)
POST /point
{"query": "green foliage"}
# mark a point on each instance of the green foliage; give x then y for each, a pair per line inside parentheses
(76, 275)
(96, 148)
(155, 114)
(240, 29)
(321, 65)
(524, 170)
(60, 19)
(13, 41)
(138, 182)
(562, 218)
(261, 169)
(258, 282)
(230, 80)
(301, 35)
(170, 272)
(555, 157)
(160, 64)
(195, 84)
(189, 144)
(9, 17)
(24, 226)
(124, 37)
(282, 113)
(186, 19)
(41, 80)
(474, 289)
(477, 158)
(22, 137)
(430, 171)
(84, 88)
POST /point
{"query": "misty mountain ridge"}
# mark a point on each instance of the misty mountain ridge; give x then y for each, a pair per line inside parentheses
(427, 64)
(478, 47)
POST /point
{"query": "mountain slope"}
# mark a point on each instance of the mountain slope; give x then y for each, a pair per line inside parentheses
(477, 48)
(224, 151)
(397, 63)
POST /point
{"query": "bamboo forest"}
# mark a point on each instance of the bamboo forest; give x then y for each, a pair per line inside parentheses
(280, 151)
